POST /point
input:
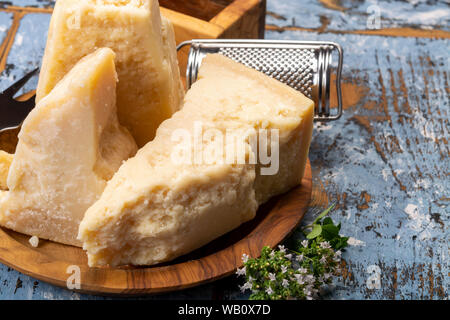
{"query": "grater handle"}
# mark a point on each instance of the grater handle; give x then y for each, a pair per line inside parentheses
(319, 69)
(323, 84)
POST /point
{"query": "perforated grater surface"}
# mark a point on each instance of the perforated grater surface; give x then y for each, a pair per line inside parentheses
(303, 65)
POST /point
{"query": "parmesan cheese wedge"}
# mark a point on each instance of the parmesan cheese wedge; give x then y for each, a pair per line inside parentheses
(69, 146)
(157, 208)
(5, 162)
(149, 89)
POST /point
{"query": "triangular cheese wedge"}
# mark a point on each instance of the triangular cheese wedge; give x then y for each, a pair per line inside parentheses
(5, 162)
(69, 146)
(159, 206)
(149, 89)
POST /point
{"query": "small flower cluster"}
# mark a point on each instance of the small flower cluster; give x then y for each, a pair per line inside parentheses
(285, 274)
(296, 274)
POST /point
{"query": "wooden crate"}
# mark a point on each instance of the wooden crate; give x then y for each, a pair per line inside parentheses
(193, 19)
(216, 18)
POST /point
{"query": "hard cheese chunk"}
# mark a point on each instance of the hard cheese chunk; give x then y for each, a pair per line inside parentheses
(156, 207)
(149, 89)
(5, 163)
(69, 146)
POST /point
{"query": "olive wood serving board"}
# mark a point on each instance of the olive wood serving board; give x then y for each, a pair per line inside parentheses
(60, 264)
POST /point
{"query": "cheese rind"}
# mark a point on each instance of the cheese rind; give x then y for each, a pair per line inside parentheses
(69, 146)
(155, 209)
(149, 89)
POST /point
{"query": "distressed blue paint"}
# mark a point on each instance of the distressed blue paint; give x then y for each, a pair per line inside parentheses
(5, 24)
(31, 3)
(308, 14)
(410, 246)
(27, 50)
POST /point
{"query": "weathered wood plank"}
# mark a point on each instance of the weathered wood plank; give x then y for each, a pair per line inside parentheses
(27, 49)
(29, 3)
(397, 18)
(385, 162)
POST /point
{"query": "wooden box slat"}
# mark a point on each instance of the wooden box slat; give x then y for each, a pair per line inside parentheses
(201, 9)
(193, 19)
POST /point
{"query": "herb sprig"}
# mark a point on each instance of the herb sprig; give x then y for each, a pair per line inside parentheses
(298, 273)
(325, 227)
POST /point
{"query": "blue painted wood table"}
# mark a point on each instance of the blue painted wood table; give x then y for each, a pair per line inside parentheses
(385, 162)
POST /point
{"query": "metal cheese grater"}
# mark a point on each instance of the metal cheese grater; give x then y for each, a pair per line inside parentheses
(303, 65)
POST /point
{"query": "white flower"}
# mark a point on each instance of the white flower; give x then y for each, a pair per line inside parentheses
(299, 258)
(327, 276)
(282, 248)
(288, 256)
(299, 278)
(285, 283)
(302, 270)
(245, 258)
(241, 272)
(305, 243)
(272, 277)
(323, 260)
(246, 286)
(250, 279)
(325, 245)
(308, 293)
(337, 256)
(272, 254)
(310, 279)
(269, 291)
(283, 269)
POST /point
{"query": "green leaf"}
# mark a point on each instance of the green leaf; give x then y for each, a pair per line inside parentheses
(339, 243)
(330, 231)
(316, 231)
(324, 213)
(327, 220)
(274, 263)
(343, 242)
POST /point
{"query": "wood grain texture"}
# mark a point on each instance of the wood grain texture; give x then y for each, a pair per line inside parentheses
(385, 162)
(194, 19)
(410, 18)
(51, 262)
(242, 19)
(201, 9)
(236, 19)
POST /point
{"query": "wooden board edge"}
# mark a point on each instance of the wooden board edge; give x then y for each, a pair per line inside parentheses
(187, 27)
(231, 19)
(28, 260)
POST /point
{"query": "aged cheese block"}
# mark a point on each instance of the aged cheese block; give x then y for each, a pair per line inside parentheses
(69, 146)
(172, 198)
(149, 89)
(5, 163)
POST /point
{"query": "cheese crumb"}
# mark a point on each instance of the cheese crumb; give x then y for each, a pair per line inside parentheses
(34, 241)
(355, 242)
